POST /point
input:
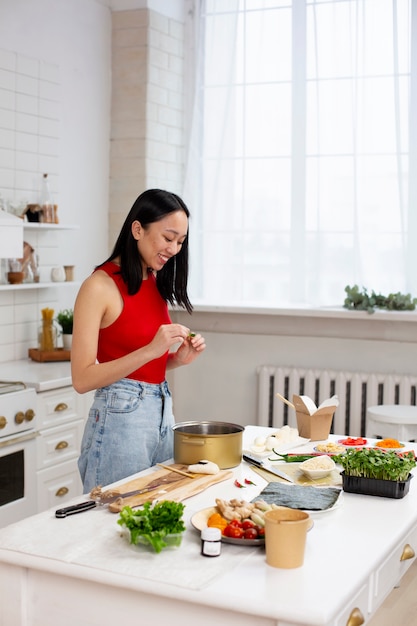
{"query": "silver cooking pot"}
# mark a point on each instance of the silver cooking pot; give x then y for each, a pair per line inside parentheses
(219, 442)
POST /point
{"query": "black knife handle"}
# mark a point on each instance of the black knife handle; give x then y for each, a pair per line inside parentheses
(76, 508)
(251, 460)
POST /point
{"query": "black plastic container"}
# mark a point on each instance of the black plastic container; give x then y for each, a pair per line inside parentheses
(376, 487)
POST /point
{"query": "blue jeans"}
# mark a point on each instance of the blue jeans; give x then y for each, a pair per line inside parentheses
(129, 428)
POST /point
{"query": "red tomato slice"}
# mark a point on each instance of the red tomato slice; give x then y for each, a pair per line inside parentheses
(353, 441)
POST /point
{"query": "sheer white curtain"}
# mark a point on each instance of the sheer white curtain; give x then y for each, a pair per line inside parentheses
(301, 170)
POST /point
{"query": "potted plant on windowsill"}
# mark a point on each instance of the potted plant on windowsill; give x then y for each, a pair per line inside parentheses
(65, 320)
(376, 472)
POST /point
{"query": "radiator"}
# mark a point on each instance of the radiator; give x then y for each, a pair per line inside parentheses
(356, 391)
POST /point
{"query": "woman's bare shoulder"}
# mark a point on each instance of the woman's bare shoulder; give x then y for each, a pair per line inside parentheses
(98, 284)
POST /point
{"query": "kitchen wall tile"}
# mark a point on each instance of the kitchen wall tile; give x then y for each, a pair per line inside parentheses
(8, 60)
(129, 19)
(27, 65)
(6, 158)
(49, 128)
(50, 109)
(7, 118)
(6, 178)
(49, 91)
(27, 84)
(6, 138)
(7, 99)
(26, 123)
(48, 145)
(129, 37)
(170, 117)
(26, 142)
(26, 161)
(49, 72)
(7, 80)
(27, 104)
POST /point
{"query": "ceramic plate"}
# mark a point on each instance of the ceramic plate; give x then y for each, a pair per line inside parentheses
(259, 452)
(400, 449)
(331, 451)
(199, 521)
(349, 442)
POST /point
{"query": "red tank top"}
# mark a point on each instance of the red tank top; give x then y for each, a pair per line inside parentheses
(135, 327)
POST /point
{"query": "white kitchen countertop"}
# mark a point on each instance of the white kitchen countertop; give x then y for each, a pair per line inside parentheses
(41, 376)
(345, 549)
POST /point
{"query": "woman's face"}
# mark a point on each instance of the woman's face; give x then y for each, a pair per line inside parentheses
(159, 241)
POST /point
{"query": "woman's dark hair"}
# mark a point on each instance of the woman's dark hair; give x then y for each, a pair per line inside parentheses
(151, 206)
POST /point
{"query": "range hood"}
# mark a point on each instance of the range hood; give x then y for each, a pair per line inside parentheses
(11, 236)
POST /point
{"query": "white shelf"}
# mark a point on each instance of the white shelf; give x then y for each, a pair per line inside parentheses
(7, 287)
(43, 226)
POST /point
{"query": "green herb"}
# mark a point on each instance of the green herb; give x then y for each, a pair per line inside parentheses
(374, 463)
(363, 301)
(65, 319)
(153, 523)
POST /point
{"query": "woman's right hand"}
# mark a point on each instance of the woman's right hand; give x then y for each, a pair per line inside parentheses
(167, 336)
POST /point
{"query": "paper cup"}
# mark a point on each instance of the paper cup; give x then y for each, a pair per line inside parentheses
(285, 537)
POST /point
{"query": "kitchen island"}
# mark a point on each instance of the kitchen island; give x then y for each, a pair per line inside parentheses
(79, 570)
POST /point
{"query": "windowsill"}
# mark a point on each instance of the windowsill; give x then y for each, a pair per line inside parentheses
(306, 311)
(335, 322)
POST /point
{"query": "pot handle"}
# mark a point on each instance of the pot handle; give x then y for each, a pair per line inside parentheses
(193, 441)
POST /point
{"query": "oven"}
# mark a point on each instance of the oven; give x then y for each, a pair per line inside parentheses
(18, 432)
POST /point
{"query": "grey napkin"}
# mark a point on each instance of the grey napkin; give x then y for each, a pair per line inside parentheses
(300, 497)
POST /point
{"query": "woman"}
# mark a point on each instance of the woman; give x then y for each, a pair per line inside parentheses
(123, 341)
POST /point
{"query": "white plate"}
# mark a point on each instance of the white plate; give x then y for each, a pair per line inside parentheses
(402, 448)
(285, 447)
(354, 445)
(199, 521)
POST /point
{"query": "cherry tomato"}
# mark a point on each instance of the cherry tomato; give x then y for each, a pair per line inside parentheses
(261, 532)
(233, 531)
(235, 522)
(250, 533)
(248, 523)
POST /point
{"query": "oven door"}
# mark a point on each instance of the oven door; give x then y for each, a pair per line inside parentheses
(18, 498)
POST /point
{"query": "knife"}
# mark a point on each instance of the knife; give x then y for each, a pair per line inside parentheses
(91, 504)
(267, 467)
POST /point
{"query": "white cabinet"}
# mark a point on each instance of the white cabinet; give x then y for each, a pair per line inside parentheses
(393, 568)
(62, 413)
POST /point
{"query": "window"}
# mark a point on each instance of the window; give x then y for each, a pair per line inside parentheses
(301, 175)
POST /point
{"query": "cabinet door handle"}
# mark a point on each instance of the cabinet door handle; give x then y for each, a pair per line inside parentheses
(29, 415)
(355, 618)
(3, 421)
(61, 445)
(61, 407)
(408, 553)
(62, 491)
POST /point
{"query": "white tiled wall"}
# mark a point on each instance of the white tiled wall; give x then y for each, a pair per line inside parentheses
(29, 127)
(146, 132)
(147, 136)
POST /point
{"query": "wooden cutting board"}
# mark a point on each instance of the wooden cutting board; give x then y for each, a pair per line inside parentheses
(180, 489)
(334, 479)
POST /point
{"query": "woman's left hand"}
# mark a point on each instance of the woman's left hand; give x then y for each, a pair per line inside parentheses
(188, 350)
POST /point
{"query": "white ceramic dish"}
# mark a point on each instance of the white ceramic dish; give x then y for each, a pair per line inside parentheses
(261, 453)
(313, 473)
